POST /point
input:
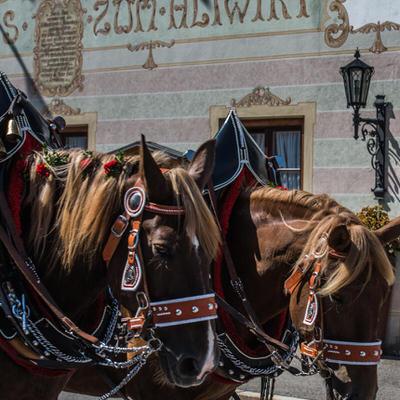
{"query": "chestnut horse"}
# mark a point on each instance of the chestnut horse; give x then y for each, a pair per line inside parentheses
(270, 232)
(72, 199)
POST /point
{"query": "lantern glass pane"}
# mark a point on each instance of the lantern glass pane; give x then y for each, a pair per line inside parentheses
(346, 86)
(356, 82)
(365, 86)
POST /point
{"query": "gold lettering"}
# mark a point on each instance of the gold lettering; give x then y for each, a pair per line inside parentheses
(236, 9)
(205, 19)
(273, 14)
(217, 14)
(175, 8)
(258, 15)
(123, 28)
(303, 10)
(107, 26)
(145, 5)
(7, 18)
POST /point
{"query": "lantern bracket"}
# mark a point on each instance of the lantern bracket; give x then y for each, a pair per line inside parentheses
(374, 133)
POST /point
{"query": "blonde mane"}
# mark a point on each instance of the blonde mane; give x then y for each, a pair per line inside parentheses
(79, 206)
(323, 214)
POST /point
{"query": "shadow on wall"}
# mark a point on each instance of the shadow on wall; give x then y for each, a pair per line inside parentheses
(393, 165)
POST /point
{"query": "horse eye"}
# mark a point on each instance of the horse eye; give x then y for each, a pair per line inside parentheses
(161, 250)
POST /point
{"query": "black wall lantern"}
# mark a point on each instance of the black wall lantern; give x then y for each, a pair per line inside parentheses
(357, 77)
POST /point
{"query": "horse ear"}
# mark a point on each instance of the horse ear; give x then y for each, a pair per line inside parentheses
(152, 177)
(202, 165)
(339, 239)
(389, 232)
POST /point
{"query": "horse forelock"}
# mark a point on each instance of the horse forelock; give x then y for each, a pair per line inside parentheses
(365, 256)
(78, 205)
(200, 223)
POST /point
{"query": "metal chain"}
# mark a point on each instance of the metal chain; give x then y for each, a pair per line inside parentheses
(260, 371)
(140, 363)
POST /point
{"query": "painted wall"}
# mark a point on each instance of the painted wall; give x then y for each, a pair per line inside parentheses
(222, 52)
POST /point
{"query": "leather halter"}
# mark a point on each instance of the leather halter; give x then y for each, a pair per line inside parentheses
(327, 350)
(164, 313)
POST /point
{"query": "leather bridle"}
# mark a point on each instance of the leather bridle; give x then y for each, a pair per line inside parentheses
(320, 349)
(171, 312)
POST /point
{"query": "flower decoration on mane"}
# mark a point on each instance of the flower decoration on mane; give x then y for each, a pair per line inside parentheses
(275, 186)
(87, 164)
(51, 158)
(42, 170)
(114, 167)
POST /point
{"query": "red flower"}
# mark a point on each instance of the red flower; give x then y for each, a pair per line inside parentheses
(112, 168)
(42, 170)
(85, 163)
(281, 187)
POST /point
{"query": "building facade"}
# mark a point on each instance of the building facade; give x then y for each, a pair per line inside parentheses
(171, 69)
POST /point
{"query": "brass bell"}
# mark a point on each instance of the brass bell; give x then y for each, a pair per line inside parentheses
(12, 134)
(3, 151)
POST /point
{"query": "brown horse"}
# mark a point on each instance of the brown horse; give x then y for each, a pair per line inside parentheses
(72, 200)
(270, 232)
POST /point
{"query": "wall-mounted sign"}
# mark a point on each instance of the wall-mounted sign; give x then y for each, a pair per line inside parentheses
(58, 51)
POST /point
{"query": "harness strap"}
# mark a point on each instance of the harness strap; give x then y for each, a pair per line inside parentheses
(252, 321)
(342, 352)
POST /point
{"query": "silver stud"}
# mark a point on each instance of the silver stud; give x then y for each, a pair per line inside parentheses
(154, 309)
(159, 308)
(178, 312)
(376, 353)
(35, 343)
(210, 306)
(221, 364)
(347, 352)
(363, 353)
(46, 353)
(165, 308)
(230, 372)
(195, 309)
(242, 377)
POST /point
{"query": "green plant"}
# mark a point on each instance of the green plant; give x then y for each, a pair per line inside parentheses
(375, 217)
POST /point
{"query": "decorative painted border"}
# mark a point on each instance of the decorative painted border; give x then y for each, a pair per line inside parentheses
(336, 34)
(77, 82)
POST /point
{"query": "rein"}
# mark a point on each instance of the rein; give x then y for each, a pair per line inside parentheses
(321, 349)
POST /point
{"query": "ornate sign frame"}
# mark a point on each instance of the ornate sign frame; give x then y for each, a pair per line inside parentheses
(75, 81)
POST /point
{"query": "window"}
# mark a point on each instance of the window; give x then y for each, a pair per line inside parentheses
(75, 136)
(282, 138)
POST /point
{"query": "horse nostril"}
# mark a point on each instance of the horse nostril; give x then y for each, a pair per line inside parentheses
(189, 367)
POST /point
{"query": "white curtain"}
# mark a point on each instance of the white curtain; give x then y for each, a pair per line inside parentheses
(259, 138)
(76, 142)
(288, 146)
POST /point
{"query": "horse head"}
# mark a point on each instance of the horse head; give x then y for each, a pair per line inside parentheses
(337, 306)
(177, 240)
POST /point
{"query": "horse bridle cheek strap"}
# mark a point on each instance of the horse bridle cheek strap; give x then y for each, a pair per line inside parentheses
(327, 350)
(163, 313)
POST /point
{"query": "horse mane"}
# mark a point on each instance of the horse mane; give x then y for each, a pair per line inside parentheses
(78, 205)
(323, 214)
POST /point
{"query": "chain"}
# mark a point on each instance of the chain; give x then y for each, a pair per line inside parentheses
(141, 361)
(283, 364)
